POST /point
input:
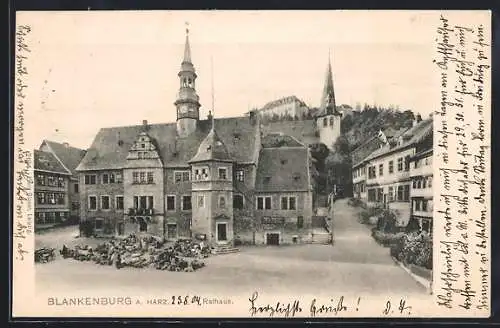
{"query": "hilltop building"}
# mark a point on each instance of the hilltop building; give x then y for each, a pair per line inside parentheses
(290, 106)
(219, 179)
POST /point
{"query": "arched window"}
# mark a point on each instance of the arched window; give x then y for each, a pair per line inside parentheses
(325, 122)
(331, 121)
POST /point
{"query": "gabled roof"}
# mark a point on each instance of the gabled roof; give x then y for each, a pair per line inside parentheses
(212, 148)
(280, 140)
(46, 161)
(69, 156)
(111, 145)
(410, 137)
(303, 130)
(283, 169)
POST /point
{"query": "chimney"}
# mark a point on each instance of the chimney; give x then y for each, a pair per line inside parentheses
(253, 116)
(66, 144)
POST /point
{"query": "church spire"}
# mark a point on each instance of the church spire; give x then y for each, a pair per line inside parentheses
(187, 47)
(328, 97)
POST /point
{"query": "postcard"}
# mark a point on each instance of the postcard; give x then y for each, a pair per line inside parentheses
(251, 164)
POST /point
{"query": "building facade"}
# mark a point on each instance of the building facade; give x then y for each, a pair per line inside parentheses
(421, 189)
(51, 190)
(290, 106)
(196, 178)
(385, 177)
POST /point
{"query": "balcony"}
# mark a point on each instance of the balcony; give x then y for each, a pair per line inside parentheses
(140, 211)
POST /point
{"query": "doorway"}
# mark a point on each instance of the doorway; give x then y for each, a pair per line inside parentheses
(171, 231)
(273, 238)
(143, 225)
(221, 231)
(121, 228)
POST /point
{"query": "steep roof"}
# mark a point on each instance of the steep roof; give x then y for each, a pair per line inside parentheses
(69, 156)
(211, 148)
(283, 169)
(46, 161)
(303, 130)
(410, 137)
(111, 145)
(280, 140)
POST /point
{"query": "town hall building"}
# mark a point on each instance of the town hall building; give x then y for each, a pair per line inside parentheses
(220, 179)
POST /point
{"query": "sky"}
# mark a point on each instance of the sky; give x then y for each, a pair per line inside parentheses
(89, 70)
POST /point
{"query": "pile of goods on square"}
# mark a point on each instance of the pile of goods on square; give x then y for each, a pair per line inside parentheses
(184, 255)
(44, 255)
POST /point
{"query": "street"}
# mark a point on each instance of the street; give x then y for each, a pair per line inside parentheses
(354, 264)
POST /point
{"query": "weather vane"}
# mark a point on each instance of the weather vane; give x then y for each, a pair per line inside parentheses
(187, 27)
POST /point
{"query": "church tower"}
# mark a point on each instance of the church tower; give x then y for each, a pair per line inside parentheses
(187, 103)
(328, 119)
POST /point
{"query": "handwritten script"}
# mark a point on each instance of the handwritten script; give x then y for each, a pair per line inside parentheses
(23, 168)
(462, 153)
(321, 308)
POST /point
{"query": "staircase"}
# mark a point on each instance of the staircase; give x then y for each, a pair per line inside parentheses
(321, 236)
(224, 249)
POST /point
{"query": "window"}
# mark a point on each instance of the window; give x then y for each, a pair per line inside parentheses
(51, 198)
(92, 203)
(325, 122)
(119, 202)
(142, 177)
(150, 177)
(76, 188)
(406, 193)
(150, 202)
(181, 176)
(40, 179)
(135, 177)
(424, 205)
(391, 167)
(60, 182)
(222, 202)
(90, 179)
(407, 163)
(240, 175)
(41, 198)
(381, 169)
(414, 184)
(112, 178)
(99, 223)
(300, 222)
(105, 178)
(417, 205)
(51, 181)
(264, 203)
(170, 203)
(60, 199)
(288, 203)
(136, 202)
(238, 202)
(391, 194)
(118, 177)
(424, 183)
(380, 194)
(429, 182)
(331, 121)
(372, 172)
(400, 164)
(372, 194)
(143, 202)
(222, 173)
(201, 201)
(75, 206)
(419, 184)
(186, 203)
(400, 194)
(105, 202)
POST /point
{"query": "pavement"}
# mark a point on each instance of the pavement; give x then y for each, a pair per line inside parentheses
(354, 264)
